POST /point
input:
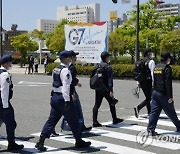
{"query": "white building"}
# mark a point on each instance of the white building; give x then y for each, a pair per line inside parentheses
(46, 26)
(80, 13)
(170, 9)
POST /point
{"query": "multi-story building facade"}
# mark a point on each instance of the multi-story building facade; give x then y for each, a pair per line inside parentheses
(80, 13)
(46, 26)
(170, 9)
(113, 24)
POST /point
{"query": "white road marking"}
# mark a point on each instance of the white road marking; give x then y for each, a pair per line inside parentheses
(109, 147)
(30, 147)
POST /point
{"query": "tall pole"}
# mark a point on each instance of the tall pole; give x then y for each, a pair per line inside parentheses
(1, 49)
(137, 32)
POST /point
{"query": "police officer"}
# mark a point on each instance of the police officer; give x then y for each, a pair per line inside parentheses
(146, 85)
(75, 82)
(6, 109)
(61, 104)
(162, 96)
(108, 94)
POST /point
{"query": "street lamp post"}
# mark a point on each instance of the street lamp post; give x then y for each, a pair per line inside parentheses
(1, 49)
(137, 32)
(137, 29)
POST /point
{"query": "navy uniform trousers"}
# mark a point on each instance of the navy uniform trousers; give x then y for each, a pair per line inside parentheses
(57, 110)
(159, 102)
(79, 110)
(9, 121)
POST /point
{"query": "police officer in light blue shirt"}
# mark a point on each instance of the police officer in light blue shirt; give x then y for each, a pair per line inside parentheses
(62, 104)
(6, 109)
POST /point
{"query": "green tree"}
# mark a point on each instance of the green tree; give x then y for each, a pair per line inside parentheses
(37, 34)
(116, 45)
(151, 28)
(24, 44)
(171, 42)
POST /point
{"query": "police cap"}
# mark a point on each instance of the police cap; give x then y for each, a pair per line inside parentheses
(73, 54)
(104, 55)
(6, 58)
(64, 54)
(165, 55)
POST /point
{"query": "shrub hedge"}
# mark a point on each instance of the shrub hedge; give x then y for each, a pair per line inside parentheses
(119, 70)
(17, 59)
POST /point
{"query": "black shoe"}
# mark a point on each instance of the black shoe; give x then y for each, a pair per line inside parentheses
(12, 146)
(117, 120)
(136, 112)
(178, 130)
(152, 133)
(86, 129)
(96, 124)
(40, 146)
(54, 134)
(82, 144)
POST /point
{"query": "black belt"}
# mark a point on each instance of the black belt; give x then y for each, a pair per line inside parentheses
(56, 93)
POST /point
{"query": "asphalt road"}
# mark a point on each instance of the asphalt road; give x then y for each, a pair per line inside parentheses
(31, 104)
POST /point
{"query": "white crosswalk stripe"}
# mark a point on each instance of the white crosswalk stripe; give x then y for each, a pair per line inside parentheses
(131, 124)
(98, 144)
(30, 147)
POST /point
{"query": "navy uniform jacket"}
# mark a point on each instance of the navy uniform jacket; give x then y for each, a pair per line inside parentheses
(75, 81)
(163, 79)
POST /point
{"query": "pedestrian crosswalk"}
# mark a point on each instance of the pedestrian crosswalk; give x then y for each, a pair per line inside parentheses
(113, 135)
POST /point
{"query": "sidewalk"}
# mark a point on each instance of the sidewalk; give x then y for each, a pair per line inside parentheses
(16, 69)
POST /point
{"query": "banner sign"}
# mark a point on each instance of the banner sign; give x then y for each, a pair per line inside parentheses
(89, 39)
(113, 15)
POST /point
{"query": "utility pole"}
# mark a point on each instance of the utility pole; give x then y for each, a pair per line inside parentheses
(137, 32)
(1, 48)
(137, 29)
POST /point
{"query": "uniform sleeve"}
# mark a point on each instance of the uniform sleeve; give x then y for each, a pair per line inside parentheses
(66, 79)
(110, 78)
(151, 67)
(5, 81)
(168, 82)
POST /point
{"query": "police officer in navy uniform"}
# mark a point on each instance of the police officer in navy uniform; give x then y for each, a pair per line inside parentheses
(75, 82)
(162, 96)
(6, 109)
(109, 95)
(62, 104)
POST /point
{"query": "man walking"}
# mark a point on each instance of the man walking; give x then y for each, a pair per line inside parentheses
(6, 109)
(146, 84)
(62, 104)
(162, 96)
(108, 94)
(75, 82)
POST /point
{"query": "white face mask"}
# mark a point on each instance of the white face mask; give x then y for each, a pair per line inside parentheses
(10, 67)
(168, 62)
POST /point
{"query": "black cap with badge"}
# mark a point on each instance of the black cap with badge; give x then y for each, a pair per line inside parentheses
(64, 54)
(5, 59)
(73, 54)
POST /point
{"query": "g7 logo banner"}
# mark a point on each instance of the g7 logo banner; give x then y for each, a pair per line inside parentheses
(76, 35)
